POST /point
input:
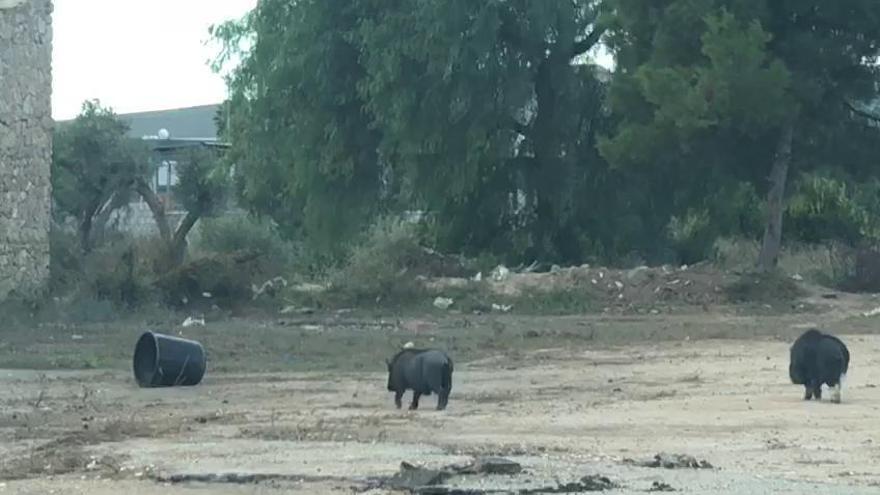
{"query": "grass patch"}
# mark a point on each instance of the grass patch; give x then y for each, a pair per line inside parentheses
(772, 288)
(827, 265)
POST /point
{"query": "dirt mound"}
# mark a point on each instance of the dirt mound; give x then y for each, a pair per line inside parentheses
(642, 288)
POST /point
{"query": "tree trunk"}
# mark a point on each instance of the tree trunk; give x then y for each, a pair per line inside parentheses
(772, 244)
(85, 226)
(99, 225)
(175, 243)
(156, 208)
(178, 243)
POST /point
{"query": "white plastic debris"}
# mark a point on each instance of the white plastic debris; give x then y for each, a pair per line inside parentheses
(443, 302)
(269, 287)
(192, 322)
(618, 284)
(504, 308)
(478, 277)
(797, 277)
(408, 345)
(873, 312)
(500, 273)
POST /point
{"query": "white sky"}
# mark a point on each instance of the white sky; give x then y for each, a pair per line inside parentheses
(137, 55)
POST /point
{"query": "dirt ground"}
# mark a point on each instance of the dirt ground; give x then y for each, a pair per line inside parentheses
(565, 397)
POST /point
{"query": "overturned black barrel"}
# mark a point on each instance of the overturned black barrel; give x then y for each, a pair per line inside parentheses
(166, 361)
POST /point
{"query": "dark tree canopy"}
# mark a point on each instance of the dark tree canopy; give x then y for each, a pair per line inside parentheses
(475, 111)
(731, 88)
(490, 117)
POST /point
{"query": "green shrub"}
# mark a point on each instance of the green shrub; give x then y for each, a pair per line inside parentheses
(117, 272)
(381, 267)
(824, 208)
(222, 279)
(773, 288)
(232, 233)
(65, 260)
(829, 264)
(692, 235)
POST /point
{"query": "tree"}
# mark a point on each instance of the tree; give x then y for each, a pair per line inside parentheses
(304, 148)
(722, 89)
(94, 166)
(484, 113)
(488, 112)
(201, 191)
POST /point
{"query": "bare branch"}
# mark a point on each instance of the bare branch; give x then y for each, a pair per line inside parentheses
(862, 113)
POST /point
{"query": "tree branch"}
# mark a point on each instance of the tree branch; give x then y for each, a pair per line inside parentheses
(156, 208)
(188, 222)
(862, 113)
(587, 43)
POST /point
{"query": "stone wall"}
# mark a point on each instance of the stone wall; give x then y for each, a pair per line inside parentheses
(25, 145)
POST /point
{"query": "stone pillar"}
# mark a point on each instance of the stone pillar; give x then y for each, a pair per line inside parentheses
(25, 145)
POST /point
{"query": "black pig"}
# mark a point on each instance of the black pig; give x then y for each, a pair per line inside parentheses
(818, 358)
(423, 371)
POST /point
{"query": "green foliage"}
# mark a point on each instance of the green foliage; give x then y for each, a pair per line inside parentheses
(772, 288)
(825, 209)
(705, 87)
(232, 233)
(221, 279)
(487, 115)
(383, 267)
(692, 235)
(94, 166)
(303, 146)
(203, 185)
(65, 260)
(113, 275)
(474, 112)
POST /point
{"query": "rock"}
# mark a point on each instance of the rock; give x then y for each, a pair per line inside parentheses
(591, 483)
(412, 477)
(495, 465)
(659, 486)
(671, 461)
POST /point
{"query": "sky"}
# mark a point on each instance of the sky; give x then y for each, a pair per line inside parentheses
(137, 55)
